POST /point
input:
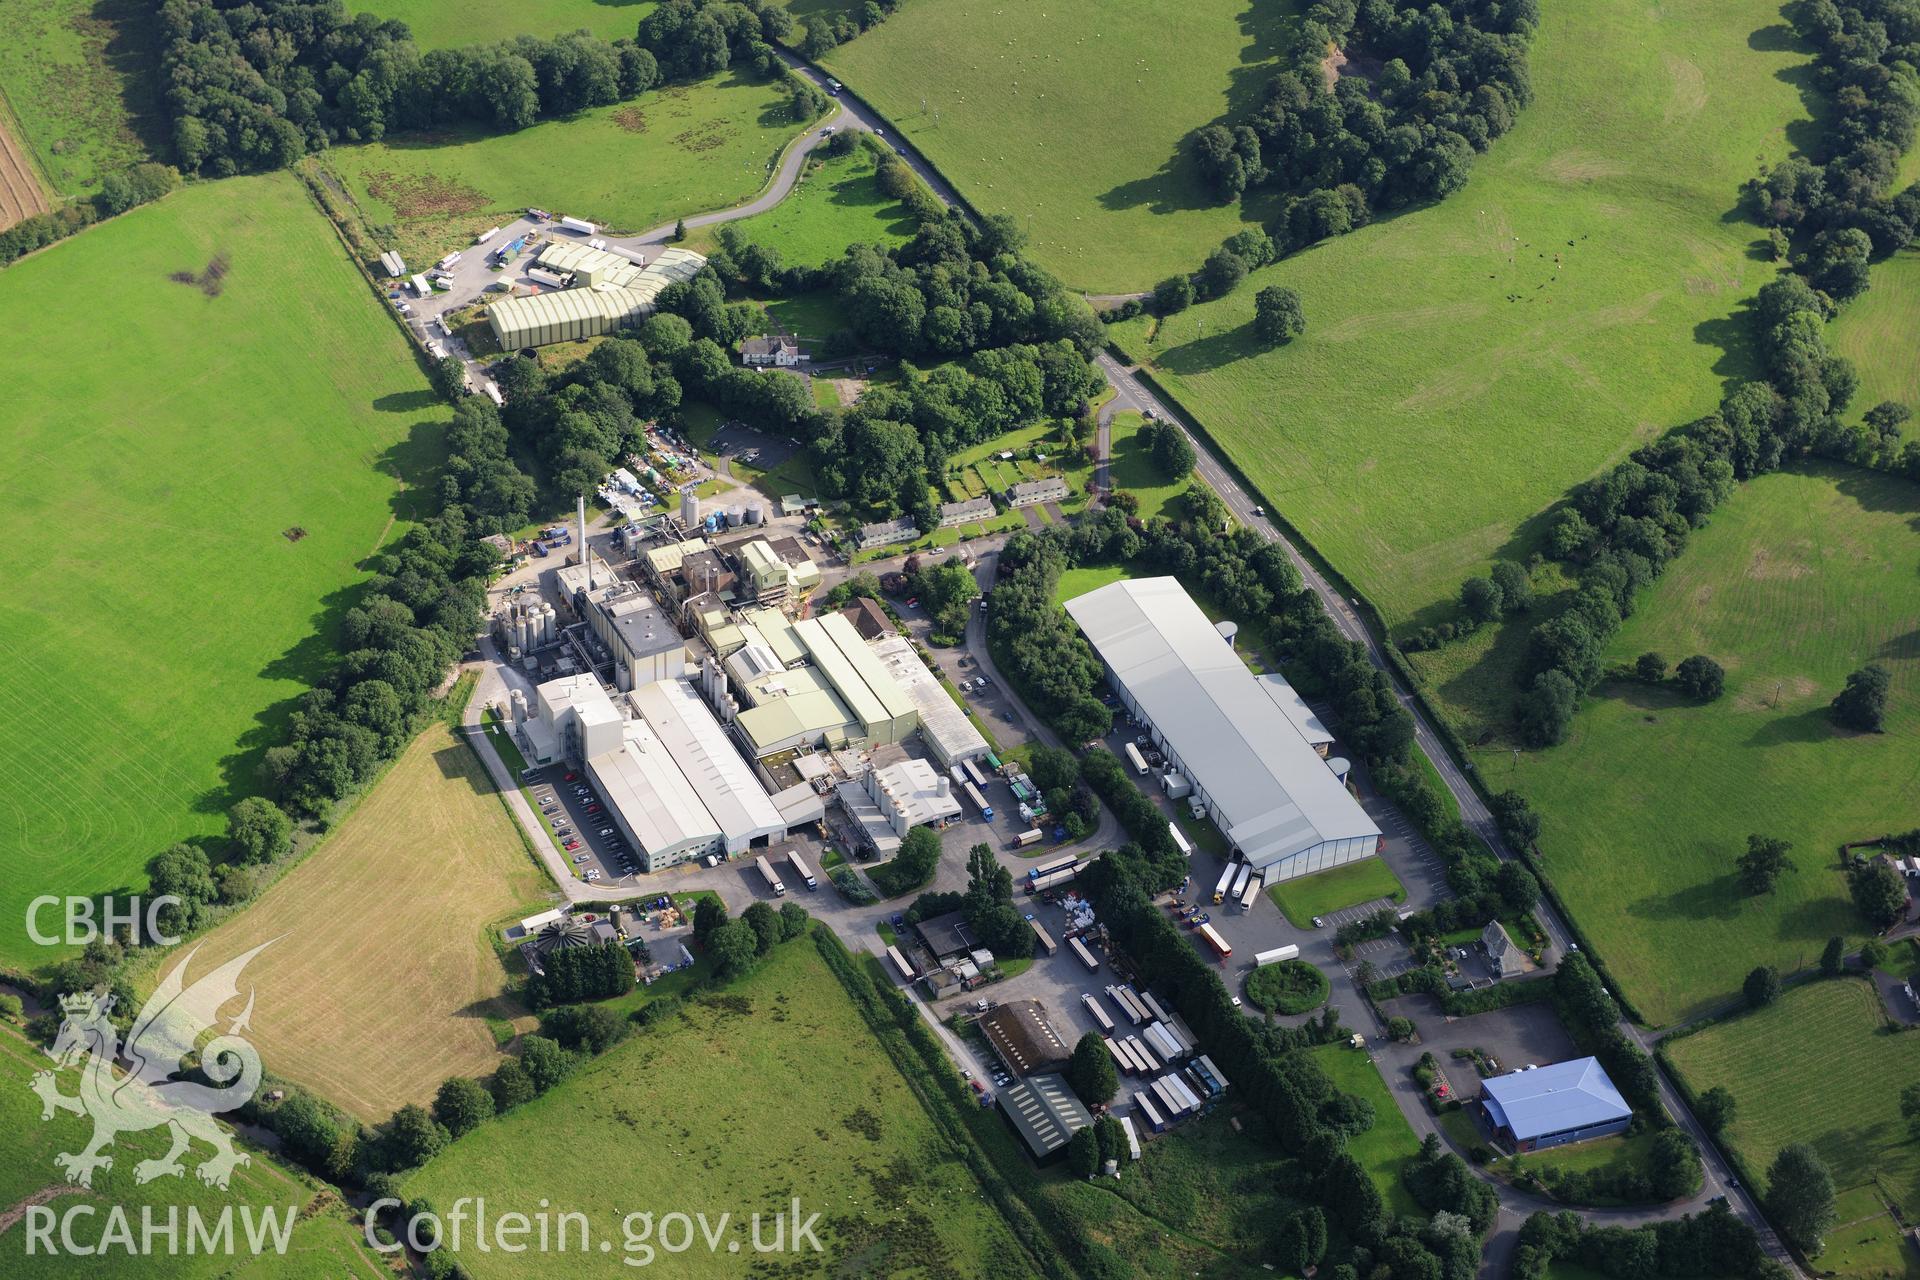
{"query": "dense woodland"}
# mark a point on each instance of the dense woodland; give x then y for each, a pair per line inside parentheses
(256, 86)
(1418, 90)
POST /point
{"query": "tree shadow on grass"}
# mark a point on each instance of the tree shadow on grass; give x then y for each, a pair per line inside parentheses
(1716, 899)
(1176, 185)
(1811, 725)
(412, 462)
(418, 401)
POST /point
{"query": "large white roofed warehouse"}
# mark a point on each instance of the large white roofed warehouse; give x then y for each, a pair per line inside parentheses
(605, 292)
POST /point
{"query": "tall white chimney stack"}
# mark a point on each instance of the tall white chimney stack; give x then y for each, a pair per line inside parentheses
(586, 553)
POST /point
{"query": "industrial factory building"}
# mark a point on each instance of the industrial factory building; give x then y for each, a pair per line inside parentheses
(888, 802)
(944, 726)
(674, 784)
(1251, 764)
(605, 292)
(628, 620)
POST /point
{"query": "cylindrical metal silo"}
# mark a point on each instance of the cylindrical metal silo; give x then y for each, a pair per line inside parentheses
(689, 508)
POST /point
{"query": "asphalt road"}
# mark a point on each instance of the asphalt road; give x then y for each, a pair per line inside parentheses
(1131, 393)
(856, 923)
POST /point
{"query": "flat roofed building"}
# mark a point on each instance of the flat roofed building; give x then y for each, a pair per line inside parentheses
(706, 756)
(628, 619)
(1024, 1037)
(911, 794)
(572, 718)
(652, 802)
(1045, 1113)
(1554, 1105)
(944, 726)
(901, 713)
(1270, 792)
(1295, 709)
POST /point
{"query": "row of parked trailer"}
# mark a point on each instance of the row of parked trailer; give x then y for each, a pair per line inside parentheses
(1238, 883)
(1170, 1098)
(778, 887)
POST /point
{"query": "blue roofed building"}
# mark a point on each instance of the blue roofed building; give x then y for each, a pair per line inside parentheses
(1555, 1105)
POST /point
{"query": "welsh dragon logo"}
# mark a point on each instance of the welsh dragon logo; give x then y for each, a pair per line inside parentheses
(145, 1095)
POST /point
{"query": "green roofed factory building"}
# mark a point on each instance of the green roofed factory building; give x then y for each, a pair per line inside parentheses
(606, 292)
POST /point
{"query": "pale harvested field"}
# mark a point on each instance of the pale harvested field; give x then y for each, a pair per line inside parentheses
(20, 194)
(378, 987)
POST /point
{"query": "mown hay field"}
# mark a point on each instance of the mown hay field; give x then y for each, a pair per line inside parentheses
(383, 977)
(1815, 1067)
(197, 472)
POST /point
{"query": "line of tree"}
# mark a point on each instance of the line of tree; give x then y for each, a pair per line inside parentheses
(1839, 211)
(598, 972)
(119, 192)
(1711, 1243)
(1311, 1120)
(827, 31)
(256, 86)
(1591, 1015)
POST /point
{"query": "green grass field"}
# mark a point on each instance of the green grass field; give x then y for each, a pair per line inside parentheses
(1077, 582)
(1465, 363)
(79, 76)
(1132, 468)
(732, 1109)
(1815, 1067)
(449, 24)
(162, 448)
(1800, 579)
(838, 203)
(1385, 1148)
(1877, 331)
(1325, 892)
(670, 153)
(324, 1246)
(1070, 116)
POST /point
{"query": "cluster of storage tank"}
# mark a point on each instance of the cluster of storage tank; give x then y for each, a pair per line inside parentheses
(529, 624)
(717, 689)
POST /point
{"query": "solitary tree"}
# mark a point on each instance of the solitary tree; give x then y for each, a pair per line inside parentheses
(1879, 892)
(1083, 1153)
(1277, 315)
(1762, 863)
(1715, 1108)
(1701, 677)
(1833, 960)
(1862, 704)
(1873, 954)
(1172, 452)
(1650, 667)
(680, 229)
(1762, 986)
(1800, 1196)
(1172, 295)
